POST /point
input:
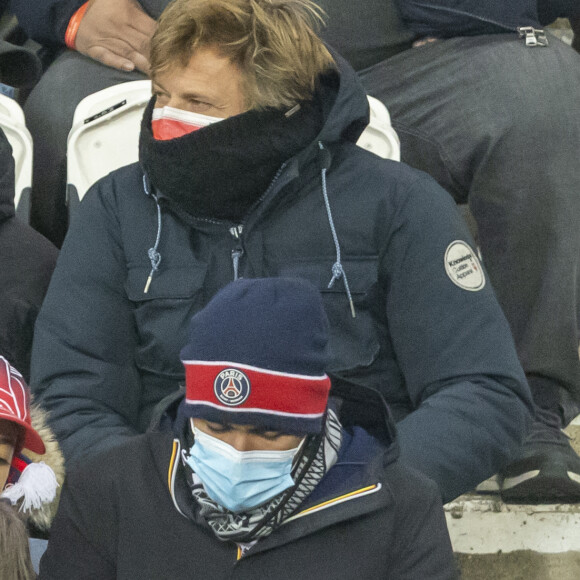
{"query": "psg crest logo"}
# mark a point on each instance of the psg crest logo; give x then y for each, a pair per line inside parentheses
(231, 387)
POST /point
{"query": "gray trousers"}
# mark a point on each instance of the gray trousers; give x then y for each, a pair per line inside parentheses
(495, 122)
(498, 125)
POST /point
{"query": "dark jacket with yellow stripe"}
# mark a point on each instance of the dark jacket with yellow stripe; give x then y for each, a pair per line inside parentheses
(369, 518)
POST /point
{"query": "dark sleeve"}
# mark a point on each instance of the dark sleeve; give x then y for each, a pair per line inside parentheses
(46, 21)
(449, 18)
(454, 347)
(549, 10)
(422, 548)
(83, 535)
(27, 263)
(82, 369)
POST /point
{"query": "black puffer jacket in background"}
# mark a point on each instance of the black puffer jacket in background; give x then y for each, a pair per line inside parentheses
(27, 261)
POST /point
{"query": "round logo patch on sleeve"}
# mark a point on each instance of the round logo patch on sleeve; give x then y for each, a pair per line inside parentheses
(463, 266)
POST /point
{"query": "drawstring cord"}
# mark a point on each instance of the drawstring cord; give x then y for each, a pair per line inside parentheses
(154, 255)
(337, 269)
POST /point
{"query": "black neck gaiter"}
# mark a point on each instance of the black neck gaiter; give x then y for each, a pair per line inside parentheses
(220, 171)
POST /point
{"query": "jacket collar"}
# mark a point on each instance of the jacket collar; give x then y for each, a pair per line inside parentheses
(353, 487)
(189, 172)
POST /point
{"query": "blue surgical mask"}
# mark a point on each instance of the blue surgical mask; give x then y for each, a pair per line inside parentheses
(239, 480)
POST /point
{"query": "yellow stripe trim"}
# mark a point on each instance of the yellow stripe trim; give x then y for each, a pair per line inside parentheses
(239, 553)
(171, 464)
(342, 497)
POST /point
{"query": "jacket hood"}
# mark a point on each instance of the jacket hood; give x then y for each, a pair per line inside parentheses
(6, 179)
(348, 115)
(365, 408)
(42, 518)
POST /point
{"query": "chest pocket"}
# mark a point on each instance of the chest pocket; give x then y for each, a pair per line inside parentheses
(162, 315)
(354, 342)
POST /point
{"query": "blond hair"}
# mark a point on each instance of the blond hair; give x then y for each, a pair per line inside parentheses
(15, 562)
(273, 43)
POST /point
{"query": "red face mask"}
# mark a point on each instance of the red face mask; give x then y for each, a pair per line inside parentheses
(170, 123)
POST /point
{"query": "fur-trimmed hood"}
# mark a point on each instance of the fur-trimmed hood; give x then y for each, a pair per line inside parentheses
(41, 519)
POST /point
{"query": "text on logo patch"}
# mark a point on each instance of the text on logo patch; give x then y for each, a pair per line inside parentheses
(231, 387)
(463, 267)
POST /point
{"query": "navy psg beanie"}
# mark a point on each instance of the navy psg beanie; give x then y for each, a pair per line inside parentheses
(256, 354)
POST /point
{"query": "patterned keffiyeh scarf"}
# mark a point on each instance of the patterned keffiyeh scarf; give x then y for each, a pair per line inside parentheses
(319, 455)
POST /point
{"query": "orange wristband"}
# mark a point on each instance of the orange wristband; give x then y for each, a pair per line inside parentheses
(73, 26)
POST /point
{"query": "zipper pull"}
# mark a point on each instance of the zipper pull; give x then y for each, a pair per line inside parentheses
(236, 231)
(236, 255)
(533, 36)
(237, 252)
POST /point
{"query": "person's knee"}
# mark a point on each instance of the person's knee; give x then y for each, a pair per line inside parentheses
(51, 105)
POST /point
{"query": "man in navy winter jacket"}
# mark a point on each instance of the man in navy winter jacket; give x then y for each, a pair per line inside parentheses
(466, 112)
(272, 185)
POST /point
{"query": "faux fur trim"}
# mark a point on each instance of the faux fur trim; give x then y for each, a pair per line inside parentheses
(42, 518)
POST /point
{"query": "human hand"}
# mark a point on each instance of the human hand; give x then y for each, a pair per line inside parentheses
(116, 33)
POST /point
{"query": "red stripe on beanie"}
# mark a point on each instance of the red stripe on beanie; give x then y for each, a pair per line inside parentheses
(235, 387)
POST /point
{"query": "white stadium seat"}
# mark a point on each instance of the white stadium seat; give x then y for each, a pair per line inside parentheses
(14, 127)
(379, 137)
(104, 135)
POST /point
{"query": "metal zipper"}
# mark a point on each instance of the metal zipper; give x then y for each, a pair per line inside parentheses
(236, 231)
(238, 251)
(533, 36)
